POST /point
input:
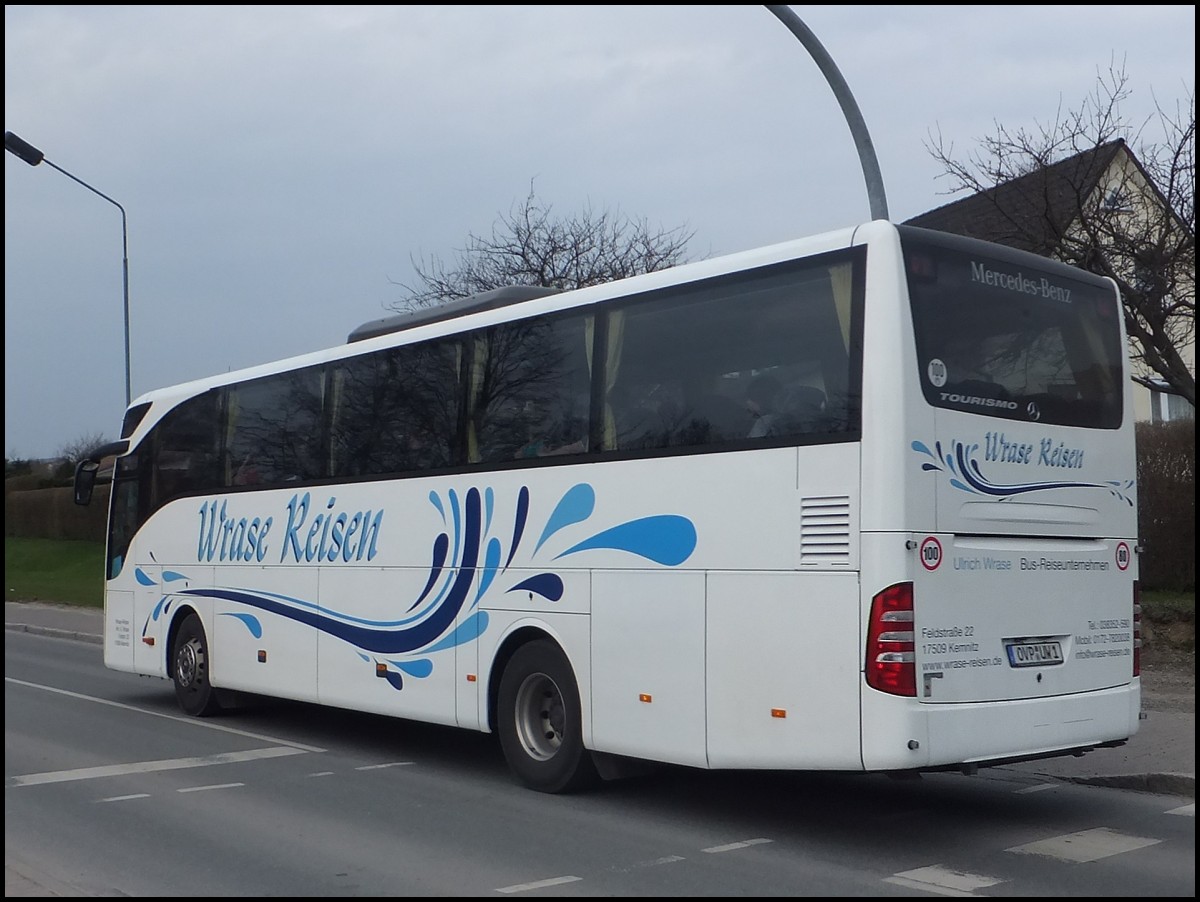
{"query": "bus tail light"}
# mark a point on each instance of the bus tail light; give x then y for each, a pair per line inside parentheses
(1137, 627)
(891, 665)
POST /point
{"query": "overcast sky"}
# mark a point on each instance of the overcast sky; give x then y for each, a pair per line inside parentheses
(281, 166)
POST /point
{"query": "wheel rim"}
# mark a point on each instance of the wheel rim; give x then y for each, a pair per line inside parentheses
(189, 664)
(540, 716)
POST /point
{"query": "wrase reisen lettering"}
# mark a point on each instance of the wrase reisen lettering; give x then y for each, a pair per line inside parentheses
(328, 536)
(997, 447)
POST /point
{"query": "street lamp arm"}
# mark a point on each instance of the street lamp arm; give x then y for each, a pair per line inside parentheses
(90, 188)
(858, 126)
(31, 155)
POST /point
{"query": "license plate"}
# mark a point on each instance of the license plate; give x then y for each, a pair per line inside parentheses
(1034, 654)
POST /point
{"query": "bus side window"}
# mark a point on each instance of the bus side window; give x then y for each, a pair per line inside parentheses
(801, 410)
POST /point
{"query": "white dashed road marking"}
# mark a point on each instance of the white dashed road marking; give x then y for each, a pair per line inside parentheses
(1086, 845)
(1038, 788)
(940, 880)
(145, 767)
(638, 865)
(540, 884)
(213, 786)
(730, 847)
(1184, 810)
(382, 766)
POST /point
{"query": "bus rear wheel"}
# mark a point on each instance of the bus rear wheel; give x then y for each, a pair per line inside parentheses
(189, 670)
(540, 723)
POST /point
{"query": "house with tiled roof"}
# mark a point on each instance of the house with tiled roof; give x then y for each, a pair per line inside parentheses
(1041, 212)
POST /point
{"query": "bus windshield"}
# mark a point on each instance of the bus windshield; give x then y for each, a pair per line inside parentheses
(1004, 338)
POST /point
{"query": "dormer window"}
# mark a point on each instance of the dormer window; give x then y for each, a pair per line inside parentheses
(1116, 201)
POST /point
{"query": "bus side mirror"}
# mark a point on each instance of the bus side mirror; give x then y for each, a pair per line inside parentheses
(85, 480)
(86, 469)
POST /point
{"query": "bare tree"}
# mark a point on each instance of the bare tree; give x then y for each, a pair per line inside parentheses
(75, 450)
(1140, 230)
(529, 246)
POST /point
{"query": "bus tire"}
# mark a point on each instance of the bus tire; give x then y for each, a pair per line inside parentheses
(189, 670)
(540, 723)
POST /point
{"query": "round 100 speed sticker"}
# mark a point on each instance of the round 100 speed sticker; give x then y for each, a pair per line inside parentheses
(931, 553)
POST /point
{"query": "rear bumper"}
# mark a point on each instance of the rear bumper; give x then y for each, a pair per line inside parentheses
(933, 736)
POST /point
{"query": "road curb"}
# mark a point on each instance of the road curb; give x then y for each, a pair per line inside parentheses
(1159, 784)
(55, 633)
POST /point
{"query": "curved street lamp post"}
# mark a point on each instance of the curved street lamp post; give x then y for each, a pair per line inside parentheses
(858, 126)
(33, 156)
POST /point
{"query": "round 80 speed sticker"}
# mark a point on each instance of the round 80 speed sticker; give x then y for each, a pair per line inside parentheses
(1122, 556)
(931, 553)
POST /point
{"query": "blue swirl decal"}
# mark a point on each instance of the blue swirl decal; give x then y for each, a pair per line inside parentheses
(252, 623)
(964, 473)
(574, 507)
(519, 523)
(547, 585)
(440, 546)
(420, 668)
(470, 630)
(143, 577)
(491, 562)
(668, 540)
(467, 568)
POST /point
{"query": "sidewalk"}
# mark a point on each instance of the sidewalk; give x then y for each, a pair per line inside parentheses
(1160, 758)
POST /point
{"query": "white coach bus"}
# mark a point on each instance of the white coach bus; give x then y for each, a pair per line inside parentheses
(858, 502)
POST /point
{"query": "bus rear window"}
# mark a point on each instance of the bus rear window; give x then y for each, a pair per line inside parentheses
(1009, 339)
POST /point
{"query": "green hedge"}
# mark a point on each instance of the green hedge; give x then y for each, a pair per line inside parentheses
(1167, 504)
(53, 514)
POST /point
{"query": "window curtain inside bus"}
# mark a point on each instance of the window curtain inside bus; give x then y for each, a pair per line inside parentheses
(612, 367)
(231, 415)
(476, 371)
(333, 403)
(840, 279)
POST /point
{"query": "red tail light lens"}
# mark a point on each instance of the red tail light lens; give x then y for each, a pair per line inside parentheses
(1137, 627)
(890, 664)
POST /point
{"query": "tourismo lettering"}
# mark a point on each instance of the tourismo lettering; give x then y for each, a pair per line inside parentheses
(1038, 287)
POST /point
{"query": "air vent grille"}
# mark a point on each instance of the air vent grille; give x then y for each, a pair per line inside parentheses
(825, 531)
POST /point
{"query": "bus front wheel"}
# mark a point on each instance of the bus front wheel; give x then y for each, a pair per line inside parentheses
(189, 670)
(540, 723)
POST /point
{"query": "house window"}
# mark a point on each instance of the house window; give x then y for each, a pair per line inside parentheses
(1166, 407)
(1116, 201)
